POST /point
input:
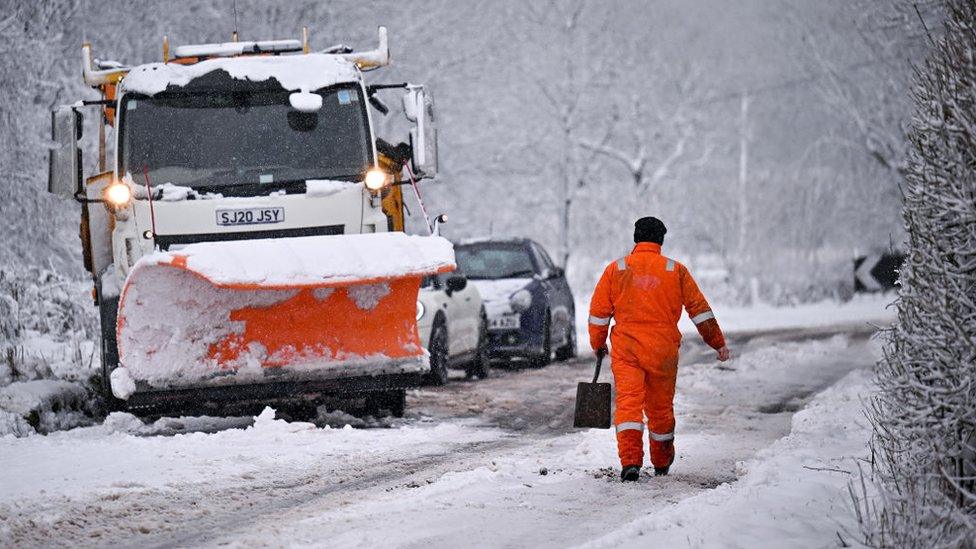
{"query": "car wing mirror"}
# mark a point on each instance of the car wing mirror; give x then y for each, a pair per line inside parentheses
(456, 283)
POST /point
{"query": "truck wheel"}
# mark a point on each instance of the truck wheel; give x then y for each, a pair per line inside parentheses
(568, 350)
(393, 401)
(297, 412)
(396, 402)
(438, 356)
(480, 367)
(108, 309)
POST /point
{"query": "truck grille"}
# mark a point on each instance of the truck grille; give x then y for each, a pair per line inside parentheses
(166, 241)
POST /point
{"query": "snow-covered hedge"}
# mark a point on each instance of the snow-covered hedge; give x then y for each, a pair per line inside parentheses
(922, 483)
(47, 351)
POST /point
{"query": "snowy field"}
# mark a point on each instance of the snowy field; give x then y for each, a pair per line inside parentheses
(774, 434)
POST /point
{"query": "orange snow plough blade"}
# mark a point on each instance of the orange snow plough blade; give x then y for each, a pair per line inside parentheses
(305, 308)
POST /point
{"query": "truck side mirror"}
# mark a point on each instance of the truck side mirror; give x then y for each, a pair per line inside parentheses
(64, 160)
(418, 106)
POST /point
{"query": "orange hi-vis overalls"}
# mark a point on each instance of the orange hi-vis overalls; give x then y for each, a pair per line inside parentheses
(644, 293)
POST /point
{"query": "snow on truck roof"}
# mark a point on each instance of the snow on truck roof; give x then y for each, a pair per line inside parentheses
(306, 73)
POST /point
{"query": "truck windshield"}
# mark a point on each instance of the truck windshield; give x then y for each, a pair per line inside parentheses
(246, 136)
(493, 261)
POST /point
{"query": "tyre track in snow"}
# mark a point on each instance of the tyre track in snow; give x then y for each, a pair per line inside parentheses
(190, 515)
(534, 405)
(725, 417)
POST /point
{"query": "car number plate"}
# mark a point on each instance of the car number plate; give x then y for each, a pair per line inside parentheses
(250, 216)
(506, 322)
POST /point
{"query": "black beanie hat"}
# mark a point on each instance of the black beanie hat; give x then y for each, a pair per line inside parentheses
(649, 229)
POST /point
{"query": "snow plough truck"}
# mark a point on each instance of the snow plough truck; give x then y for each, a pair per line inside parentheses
(244, 228)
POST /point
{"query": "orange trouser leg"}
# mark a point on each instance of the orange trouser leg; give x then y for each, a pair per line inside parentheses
(659, 407)
(629, 415)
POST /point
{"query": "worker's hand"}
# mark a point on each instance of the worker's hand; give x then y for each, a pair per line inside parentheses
(724, 354)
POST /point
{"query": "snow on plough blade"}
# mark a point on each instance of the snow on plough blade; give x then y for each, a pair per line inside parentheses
(289, 309)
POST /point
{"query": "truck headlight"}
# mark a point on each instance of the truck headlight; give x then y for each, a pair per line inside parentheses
(376, 179)
(520, 300)
(118, 194)
(420, 310)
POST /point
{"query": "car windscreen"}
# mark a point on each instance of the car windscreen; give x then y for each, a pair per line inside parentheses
(487, 262)
(220, 138)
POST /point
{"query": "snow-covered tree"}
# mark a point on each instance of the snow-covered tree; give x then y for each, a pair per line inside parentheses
(925, 412)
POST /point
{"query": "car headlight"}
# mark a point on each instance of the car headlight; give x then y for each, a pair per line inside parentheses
(520, 300)
(420, 310)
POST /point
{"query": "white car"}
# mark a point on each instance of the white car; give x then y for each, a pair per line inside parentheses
(453, 326)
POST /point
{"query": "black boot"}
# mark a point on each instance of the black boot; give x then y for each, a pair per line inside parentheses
(661, 471)
(630, 473)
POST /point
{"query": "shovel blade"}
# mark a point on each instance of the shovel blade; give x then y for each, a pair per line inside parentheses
(592, 406)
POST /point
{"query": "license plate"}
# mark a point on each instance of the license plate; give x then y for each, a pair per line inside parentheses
(507, 322)
(250, 216)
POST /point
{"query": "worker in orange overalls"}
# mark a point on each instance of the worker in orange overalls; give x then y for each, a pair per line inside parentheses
(644, 293)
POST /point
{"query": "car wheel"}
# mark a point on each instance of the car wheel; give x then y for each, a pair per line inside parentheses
(568, 350)
(480, 367)
(546, 356)
(438, 355)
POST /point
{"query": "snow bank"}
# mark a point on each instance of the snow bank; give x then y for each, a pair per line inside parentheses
(43, 406)
(294, 72)
(117, 457)
(311, 260)
(793, 494)
(863, 309)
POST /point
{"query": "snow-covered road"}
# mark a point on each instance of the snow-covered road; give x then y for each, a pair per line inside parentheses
(491, 463)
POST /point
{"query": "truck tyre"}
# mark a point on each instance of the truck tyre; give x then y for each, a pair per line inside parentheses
(394, 401)
(438, 355)
(568, 350)
(297, 412)
(480, 367)
(108, 310)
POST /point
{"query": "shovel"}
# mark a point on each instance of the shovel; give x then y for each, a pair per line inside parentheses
(593, 402)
